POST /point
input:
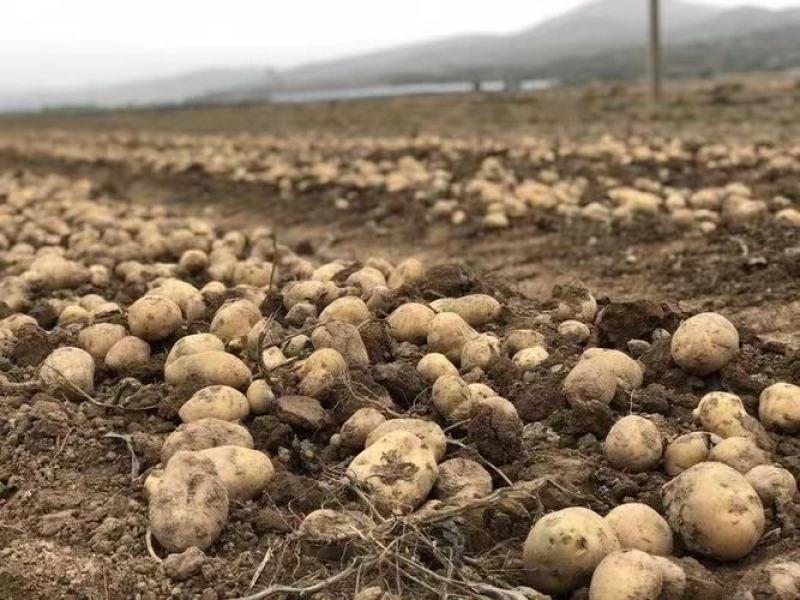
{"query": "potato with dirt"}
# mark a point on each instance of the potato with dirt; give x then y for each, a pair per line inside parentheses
(779, 408)
(447, 334)
(452, 399)
(598, 375)
(724, 415)
(216, 402)
(68, 369)
(356, 429)
(98, 339)
(244, 471)
(233, 320)
(772, 483)
(410, 322)
(640, 527)
(188, 503)
(477, 310)
(626, 575)
(347, 309)
(564, 547)
(715, 510)
(260, 397)
(428, 432)
(208, 368)
(345, 339)
(740, 453)
(435, 365)
(203, 434)
(704, 343)
(127, 355)
(194, 344)
(399, 471)
(688, 450)
(154, 318)
(461, 479)
(633, 444)
(320, 371)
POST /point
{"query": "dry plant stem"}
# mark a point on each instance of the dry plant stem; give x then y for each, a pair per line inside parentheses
(129, 443)
(13, 389)
(481, 460)
(148, 540)
(305, 591)
(89, 398)
(262, 565)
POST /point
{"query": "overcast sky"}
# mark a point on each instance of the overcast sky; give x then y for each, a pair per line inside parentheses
(46, 44)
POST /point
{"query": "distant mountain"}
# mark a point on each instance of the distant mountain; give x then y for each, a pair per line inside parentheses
(601, 39)
(168, 90)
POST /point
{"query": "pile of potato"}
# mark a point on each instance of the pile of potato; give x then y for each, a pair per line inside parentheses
(250, 328)
(515, 182)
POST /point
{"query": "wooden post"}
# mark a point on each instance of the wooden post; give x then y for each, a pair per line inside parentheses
(654, 62)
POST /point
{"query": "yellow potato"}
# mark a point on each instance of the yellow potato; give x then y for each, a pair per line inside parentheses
(203, 434)
(209, 368)
(633, 444)
(704, 343)
(639, 527)
(245, 472)
(216, 401)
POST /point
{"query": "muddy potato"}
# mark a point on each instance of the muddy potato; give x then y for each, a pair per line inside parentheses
(245, 472)
(639, 527)
(320, 371)
(590, 381)
(315, 292)
(409, 322)
(481, 391)
(209, 368)
(260, 397)
(528, 359)
(428, 432)
(520, 339)
(564, 548)
(154, 318)
(98, 339)
(216, 402)
(194, 261)
(480, 351)
(399, 470)
(194, 344)
(777, 580)
(356, 429)
(715, 510)
(203, 434)
(772, 483)
(188, 503)
(328, 271)
(447, 334)
(59, 273)
(451, 398)
(704, 344)
(628, 371)
(73, 314)
(127, 354)
(688, 450)
(724, 415)
(408, 272)
(67, 368)
(574, 331)
(367, 279)
(348, 309)
(626, 575)
(345, 339)
(462, 479)
(434, 365)
(674, 580)
(779, 407)
(182, 293)
(633, 444)
(234, 320)
(477, 310)
(740, 453)
(576, 303)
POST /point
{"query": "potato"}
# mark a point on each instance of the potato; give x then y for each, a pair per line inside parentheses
(462, 479)
(300, 313)
(628, 371)
(347, 309)
(98, 339)
(180, 292)
(234, 320)
(408, 272)
(367, 279)
(674, 581)
(576, 303)
(740, 453)
(633, 444)
(777, 580)
(16, 322)
(59, 273)
(67, 367)
(356, 429)
(434, 365)
(520, 339)
(574, 331)
(204, 434)
(329, 526)
(154, 318)
(772, 483)
(779, 407)
(590, 381)
(260, 397)
(704, 344)
(409, 322)
(452, 399)
(399, 470)
(481, 391)
(320, 371)
(194, 344)
(564, 547)
(477, 310)
(528, 359)
(345, 339)
(216, 402)
(73, 314)
(188, 503)
(208, 368)
(480, 351)
(245, 472)
(194, 261)
(724, 415)
(639, 527)
(626, 575)
(315, 292)
(688, 450)
(447, 335)
(428, 432)
(328, 271)
(128, 354)
(715, 510)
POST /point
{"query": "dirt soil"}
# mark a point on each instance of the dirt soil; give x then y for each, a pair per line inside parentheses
(72, 520)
